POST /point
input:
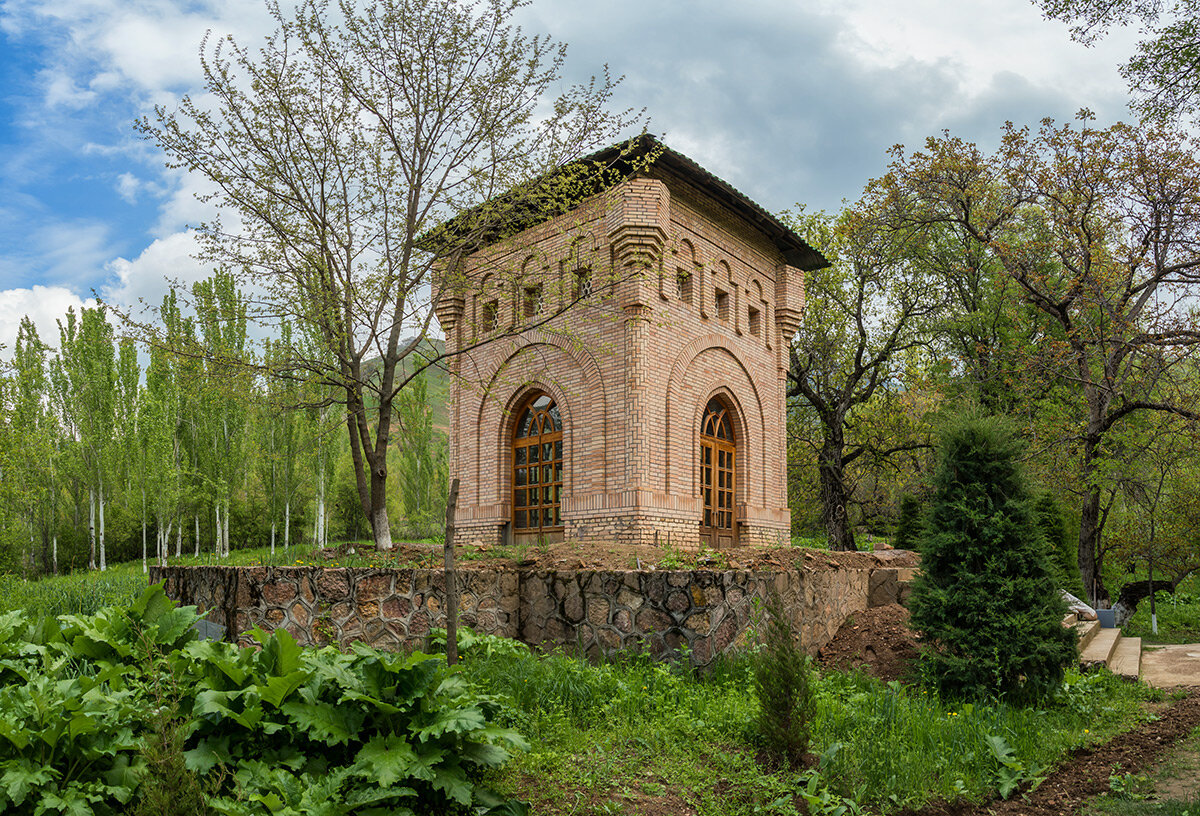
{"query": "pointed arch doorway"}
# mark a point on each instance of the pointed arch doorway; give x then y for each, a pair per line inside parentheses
(718, 476)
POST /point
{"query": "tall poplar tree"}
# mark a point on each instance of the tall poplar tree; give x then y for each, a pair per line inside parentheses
(89, 366)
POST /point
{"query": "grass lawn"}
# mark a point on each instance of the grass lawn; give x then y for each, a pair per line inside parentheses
(636, 737)
(1178, 616)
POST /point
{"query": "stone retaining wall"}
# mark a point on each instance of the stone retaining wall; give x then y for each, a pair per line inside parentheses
(594, 612)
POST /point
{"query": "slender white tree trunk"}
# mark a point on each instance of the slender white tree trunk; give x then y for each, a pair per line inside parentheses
(217, 529)
(55, 553)
(103, 564)
(145, 568)
(287, 522)
(272, 536)
(91, 529)
(225, 531)
(179, 539)
(197, 518)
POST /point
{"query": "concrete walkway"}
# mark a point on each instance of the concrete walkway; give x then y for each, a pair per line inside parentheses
(1169, 666)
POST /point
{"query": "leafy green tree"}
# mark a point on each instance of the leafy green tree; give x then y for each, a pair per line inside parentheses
(222, 322)
(1099, 231)
(985, 601)
(342, 144)
(32, 426)
(1164, 75)
(88, 364)
(862, 314)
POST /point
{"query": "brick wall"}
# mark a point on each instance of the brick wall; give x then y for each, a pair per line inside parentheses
(595, 612)
(631, 368)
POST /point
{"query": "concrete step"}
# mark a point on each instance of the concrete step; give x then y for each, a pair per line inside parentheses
(1100, 648)
(1126, 659)
(1087, 630)
(1070, 620)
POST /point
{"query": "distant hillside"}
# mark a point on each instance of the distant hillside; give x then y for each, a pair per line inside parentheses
(437, 380)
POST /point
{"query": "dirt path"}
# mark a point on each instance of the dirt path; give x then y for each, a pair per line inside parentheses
(1085, 774)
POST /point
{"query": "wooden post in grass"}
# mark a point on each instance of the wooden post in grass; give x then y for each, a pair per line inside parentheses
(451, 582)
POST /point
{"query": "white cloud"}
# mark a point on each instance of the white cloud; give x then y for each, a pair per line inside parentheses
(127, 187)
(143, 281)
(44, 305)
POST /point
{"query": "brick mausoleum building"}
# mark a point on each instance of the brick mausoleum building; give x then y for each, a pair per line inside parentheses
(635, 391)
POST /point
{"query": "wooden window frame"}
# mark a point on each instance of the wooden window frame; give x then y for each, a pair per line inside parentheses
(537, 467)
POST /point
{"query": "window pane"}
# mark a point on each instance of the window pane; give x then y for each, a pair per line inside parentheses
(533, 474)
(547, 517)
(557, 520)
(533, 453)
(525, 423)
(707, 517)
(558, 471)
(519, 518)
(519, 498)
(547, 451)
(555, 418)
(520, 474)
(520, 454)
(558, 448)
(547, 474)
(542, 401)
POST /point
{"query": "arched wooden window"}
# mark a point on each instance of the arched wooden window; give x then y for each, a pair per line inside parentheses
(718, 476)
(537, 456)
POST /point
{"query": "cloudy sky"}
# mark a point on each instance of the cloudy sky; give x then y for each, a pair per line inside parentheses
(789, 100)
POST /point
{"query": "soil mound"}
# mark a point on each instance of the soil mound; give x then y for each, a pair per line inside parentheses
(877, 639)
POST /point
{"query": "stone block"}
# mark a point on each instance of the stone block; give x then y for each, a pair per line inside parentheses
(883, 588)
(677, 601)
(396, 607)
(278, 592)
(627, 597)
(373, 587)
(299, 614)
(608, 639)
(653, 620)
(418, 625)
(367, 610)
(698, 623)
(333, 585)
(597, 611)
(623, 620)
(572, 605)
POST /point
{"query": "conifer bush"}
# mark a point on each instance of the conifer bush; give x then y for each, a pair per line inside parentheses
(1064, 561)
(908, 525)
(784, 684)
(985, 601)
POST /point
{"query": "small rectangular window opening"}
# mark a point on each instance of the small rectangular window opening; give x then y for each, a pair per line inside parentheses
(722, 301)
(583, 283)
(754, 322)
(684, 282)
(487, 322)
(532, 301)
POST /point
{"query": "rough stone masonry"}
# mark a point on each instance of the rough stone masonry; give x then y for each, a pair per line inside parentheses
(697, 613)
